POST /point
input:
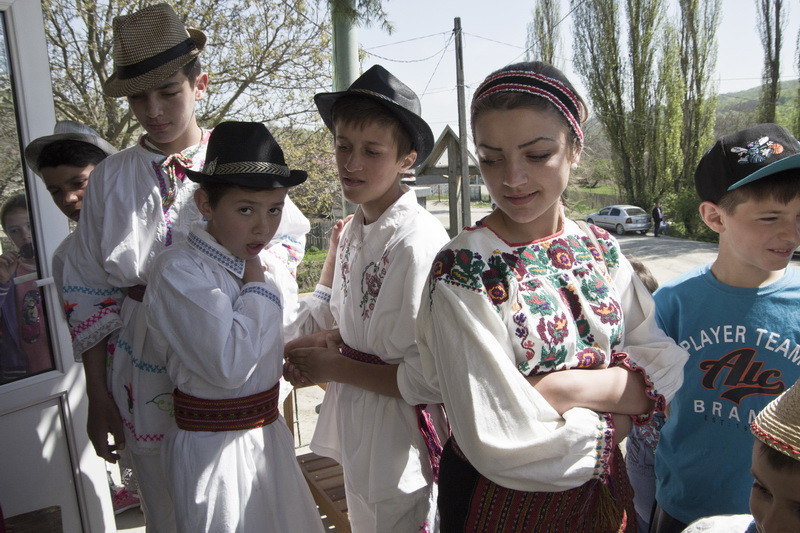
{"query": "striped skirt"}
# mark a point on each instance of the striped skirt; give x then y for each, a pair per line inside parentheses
(469, 502)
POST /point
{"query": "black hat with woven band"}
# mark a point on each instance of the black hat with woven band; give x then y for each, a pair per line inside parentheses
(150, 45)
(246, 154)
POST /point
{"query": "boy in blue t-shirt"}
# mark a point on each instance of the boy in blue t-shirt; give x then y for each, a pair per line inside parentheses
(738, 320)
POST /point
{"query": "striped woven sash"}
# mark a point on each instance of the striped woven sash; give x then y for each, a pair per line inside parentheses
(424, 421)
(136, 292)
(230, 414)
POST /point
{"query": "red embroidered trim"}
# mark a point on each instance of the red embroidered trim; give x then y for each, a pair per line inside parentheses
(775, 442)
(624, 360)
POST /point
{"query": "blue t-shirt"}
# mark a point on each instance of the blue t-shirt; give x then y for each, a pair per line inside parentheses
(744, 350)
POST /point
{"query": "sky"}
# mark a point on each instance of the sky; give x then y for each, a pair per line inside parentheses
(421, 52)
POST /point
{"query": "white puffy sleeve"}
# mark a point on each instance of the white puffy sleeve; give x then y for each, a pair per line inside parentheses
(507, 430)
(644, 342)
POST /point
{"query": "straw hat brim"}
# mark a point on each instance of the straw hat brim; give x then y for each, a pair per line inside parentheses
(116, 87)
(35, 147)
(421, 134)
(778, 424)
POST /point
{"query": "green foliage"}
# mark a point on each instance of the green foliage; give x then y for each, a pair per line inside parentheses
(312, 151)
(309, 269)
(543, 39)
(265, 59)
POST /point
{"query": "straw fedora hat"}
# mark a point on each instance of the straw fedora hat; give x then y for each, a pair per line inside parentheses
(380, 85)
(778, 424)
(149, 46)
(246, 154)
(65, 130)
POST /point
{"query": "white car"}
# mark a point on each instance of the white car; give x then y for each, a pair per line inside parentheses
(621, 219)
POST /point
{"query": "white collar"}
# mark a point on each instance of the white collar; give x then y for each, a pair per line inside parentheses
(206, 244)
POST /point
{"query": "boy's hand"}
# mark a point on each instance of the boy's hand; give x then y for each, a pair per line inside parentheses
(329, 265)
(253, 270)
(622, 426)
(104, 419)
(8, 264)
(319, 339)
(317, 365)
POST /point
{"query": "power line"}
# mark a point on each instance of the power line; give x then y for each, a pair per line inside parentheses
(446, 46)
(407, 60)
(409, 40)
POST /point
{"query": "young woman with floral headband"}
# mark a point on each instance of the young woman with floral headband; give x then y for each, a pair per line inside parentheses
(538, 333)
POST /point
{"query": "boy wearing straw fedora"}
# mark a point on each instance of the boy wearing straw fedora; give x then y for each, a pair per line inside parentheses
(775, 467)
(136, 205)
(374, 419)
(214, 307)
(737, 318)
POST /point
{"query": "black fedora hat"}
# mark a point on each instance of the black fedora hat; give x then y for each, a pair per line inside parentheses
(246, 154)
(380, 85)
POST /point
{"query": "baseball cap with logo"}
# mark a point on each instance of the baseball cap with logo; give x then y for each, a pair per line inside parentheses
(744, 157)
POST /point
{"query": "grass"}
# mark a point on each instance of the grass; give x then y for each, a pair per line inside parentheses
(309, 268)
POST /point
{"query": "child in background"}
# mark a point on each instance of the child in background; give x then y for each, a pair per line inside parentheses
(24, 337)
(775, 493)
(65, 161)
(738, 319)
(640, 448)
(218, 318)
(368, 420)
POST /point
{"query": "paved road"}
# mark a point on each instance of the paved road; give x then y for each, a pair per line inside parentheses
(666, 257)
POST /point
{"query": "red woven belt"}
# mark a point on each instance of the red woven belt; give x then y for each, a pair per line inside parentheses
(232, 414)
(136, 292)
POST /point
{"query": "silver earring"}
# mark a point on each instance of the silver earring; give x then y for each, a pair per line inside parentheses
(574, 166)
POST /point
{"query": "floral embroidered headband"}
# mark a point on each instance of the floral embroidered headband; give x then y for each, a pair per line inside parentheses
(545, 87)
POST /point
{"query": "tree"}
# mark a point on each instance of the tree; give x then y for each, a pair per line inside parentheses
(265, 60)
(797, 100)
(543, 37)
(771, 16)
(698, 55)
(623, 92)
(11, 180)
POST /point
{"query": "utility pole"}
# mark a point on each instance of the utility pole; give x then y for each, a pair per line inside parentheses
(466, 216)
(345, 57)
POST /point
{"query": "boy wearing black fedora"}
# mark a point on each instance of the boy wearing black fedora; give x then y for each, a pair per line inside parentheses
(388, 448)
(215, 309)
(737, 318)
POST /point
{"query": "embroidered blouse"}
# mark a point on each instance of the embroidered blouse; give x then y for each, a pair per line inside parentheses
(379, 278)
(219, 337)
(496, 312)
